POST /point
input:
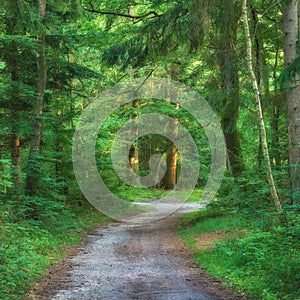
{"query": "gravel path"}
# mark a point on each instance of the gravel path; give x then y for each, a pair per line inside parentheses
(141, 260)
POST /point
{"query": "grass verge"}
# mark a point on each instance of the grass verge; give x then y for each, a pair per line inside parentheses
(261, 260)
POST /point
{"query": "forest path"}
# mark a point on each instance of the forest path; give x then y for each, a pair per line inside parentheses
(137, 260)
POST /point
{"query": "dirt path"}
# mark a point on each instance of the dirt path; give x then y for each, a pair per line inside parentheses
(134, 261)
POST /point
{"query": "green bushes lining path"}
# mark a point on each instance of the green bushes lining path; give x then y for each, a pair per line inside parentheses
(259, 259)
(29, 247)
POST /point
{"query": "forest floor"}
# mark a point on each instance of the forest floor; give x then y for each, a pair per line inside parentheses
(143, 259)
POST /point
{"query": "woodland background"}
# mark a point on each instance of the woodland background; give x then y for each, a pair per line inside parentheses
(242, 57)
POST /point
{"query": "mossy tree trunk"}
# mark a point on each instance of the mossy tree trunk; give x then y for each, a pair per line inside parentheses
(228, 64)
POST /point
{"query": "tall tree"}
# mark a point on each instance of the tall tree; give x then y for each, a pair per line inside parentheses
(291, 35)
(12, 58)
(227, 23)
(33, 176)
(170, 178)
(216, 20)
(262, 128)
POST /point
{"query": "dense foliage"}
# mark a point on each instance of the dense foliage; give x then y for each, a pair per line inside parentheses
(29, 247)
(55, 56)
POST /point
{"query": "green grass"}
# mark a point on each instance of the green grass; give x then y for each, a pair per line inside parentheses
(195, 195)
(264, 263)
(136, 194)
(28, 247)
(209, 221)
(132, 194)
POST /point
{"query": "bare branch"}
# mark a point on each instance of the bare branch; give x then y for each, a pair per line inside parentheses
(103, 12)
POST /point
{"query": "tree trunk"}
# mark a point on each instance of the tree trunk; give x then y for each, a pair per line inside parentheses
(134, 151)
(14, 138)
(170, 178)
(2, 178)
(16, 163)
(275, 153)
(262, 128)
(13, 66)
(230, 85)
(290, 30)
(33, 167)
(263, 82)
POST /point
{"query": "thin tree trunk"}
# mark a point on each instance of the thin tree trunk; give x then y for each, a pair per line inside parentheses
(262, 128)
(260, 155)
(170, 178)
(275, 135)
(2, 178)
(13, 66)
(134, 151)
(290, 30)
(277, 111)
(14, 138)
(263, 82)
(33, 168)
(16, 163)
(257, 47)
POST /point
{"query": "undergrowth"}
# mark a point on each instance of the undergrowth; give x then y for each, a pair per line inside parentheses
(28, 247)
(257, 255)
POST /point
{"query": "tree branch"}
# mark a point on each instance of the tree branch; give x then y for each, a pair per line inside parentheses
(103, 12)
